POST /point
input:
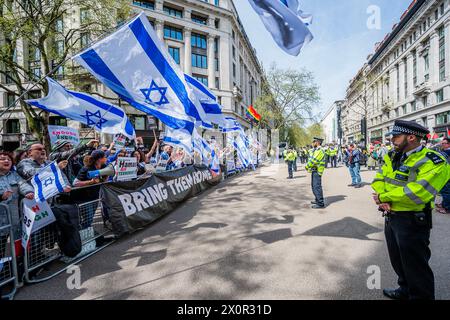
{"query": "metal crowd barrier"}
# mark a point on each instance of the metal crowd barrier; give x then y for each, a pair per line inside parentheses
(8, 263)
(44, 259)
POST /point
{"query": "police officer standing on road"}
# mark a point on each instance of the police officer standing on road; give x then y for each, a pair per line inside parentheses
(290, 158)
(316, 166)
(405, 189)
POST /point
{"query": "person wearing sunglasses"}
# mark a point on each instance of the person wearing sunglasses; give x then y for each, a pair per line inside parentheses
(37, 159)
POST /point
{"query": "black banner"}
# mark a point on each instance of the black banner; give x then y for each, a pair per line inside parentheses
(132, 205)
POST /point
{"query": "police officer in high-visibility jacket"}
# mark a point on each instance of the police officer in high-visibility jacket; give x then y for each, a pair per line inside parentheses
(289, 157)
(406, 187)
(316, 166)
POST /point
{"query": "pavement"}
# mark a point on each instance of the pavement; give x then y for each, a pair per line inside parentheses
(254, 237)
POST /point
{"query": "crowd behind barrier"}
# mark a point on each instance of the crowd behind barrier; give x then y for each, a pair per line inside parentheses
(81, 225)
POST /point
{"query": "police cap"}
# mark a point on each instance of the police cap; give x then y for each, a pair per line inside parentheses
(408, 127)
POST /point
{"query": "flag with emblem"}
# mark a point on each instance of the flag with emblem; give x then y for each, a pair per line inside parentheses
(178, 139)
(136, 65)
(94, 112)
(48, 182)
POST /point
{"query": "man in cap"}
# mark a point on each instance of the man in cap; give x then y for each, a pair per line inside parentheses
(406, 187)
(316, 166)
(64, 150)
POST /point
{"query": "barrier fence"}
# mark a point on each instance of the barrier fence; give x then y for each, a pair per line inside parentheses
(44, 247)
(8, 263)
(44, 258)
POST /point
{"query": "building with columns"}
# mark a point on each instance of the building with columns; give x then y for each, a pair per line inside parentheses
(205, 37)
(408, 76)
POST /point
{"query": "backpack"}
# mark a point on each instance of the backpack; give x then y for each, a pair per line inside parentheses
(67, 226)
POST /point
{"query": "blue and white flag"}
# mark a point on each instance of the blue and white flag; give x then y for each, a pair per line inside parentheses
(48, 182)
(286, 23)
(211, 109)
(178, 139)
(197, 142)
(135, 64)
(99, 114)
(243, 152)
(230, 124)
(215, 163)
(206, 153)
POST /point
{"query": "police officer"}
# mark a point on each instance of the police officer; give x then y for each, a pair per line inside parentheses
(316, 166)
(290, 157)
(405, 189)
(295, 160)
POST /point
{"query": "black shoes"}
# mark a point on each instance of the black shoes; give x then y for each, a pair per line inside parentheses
(395, 294)
(313, 202)
(316, 206)
(358, 186)
(351, 185)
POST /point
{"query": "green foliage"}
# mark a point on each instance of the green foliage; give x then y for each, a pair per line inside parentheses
(34, 26)
(299, 136)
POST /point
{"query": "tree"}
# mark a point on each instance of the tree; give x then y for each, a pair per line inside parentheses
(299, 136)
(293, 94)
(34, 41)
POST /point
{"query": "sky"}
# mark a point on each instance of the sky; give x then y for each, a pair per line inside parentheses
(342, 41)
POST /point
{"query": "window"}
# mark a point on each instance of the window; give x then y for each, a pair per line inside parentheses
(84, 15)
(405, 79)
(233, 34)
(173, 12)
(442, 9)
(441, 34)
(426, 59)
(425, 122)
(59, 25)
(85, 39)
(397, 113)
(414, 68)
(404, 109)
(443, 118)
(175, 53)
(397, 68)
(440, 96)
(58, 121)
(173, 33)
(216, 2)
(234, 52)
(216, 62)
(198, 41)
(59, 47)
(217, 83)
(200, 78)
(199, 61)
(413, 106)
(10, 99)
(425, 101)
(200, 20)
(144, 4)
(234, 70)
(139, 122)
(13, 126)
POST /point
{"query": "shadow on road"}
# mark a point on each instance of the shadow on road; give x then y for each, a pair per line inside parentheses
(333, 199)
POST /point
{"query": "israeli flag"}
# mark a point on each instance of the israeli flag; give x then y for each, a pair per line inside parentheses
(134, 63)
(178, 139)
(206, 153)
(286, 23)
(244, 154)
(230, 124)
(48, 182)
(212, 111)
(197, 142)
(94, 112)
(215, 164)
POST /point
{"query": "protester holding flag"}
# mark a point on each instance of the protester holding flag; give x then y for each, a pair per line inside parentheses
(12, 186)
(64, 150)
(36, 160)
(139, 155)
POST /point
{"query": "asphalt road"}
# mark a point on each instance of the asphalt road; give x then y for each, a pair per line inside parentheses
(253, 237)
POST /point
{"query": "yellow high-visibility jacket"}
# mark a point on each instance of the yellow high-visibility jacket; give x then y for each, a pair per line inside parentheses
(415, 184)
(316, 161)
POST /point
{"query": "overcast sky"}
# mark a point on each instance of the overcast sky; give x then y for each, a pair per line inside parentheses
(342, 41)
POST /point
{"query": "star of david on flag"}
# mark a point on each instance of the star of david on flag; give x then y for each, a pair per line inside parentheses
(94, 112)
(98, 119)
(161, 91)
(48, 182)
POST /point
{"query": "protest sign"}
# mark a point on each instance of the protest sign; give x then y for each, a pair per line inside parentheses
(60, 133)
(126, 168)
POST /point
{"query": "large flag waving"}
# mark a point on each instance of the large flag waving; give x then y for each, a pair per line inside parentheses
(286, 23)
(211, 109)
(94, 112)
(178, 138)
(135, 64)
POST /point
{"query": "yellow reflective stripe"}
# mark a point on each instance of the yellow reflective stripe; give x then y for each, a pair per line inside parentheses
(410, 194)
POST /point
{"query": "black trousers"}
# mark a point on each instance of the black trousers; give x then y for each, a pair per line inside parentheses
(408, 240)
(316, 185)
(334, 161)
